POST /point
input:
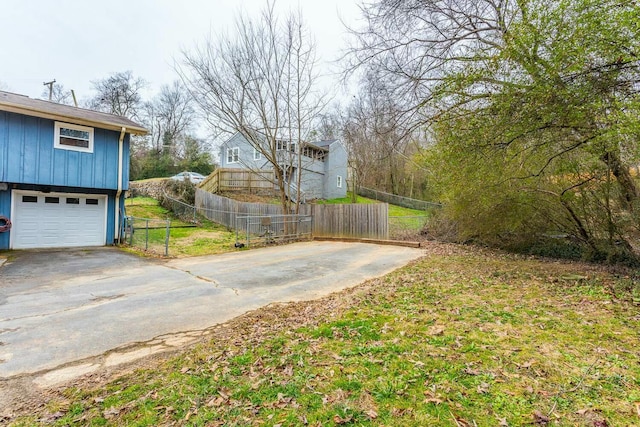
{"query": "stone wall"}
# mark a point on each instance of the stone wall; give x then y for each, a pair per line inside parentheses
(150, 188)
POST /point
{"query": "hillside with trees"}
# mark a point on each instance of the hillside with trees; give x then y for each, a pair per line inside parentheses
(529, 110)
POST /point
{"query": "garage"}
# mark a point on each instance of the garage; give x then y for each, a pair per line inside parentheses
(55, 220)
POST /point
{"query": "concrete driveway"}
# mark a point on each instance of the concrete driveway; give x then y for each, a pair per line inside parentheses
(61, 307)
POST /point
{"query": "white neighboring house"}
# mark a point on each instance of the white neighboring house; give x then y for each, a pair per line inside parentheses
(323, 164)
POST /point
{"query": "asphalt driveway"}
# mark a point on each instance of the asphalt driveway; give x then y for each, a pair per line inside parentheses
(59, 307)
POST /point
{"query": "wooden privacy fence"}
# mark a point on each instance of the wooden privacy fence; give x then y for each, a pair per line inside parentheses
(239, 180)
(352, 220)
(368, 221)
(224, 210)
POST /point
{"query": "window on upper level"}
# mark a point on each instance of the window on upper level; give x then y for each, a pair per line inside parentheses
(339, 181)
(73, 137)
(313, 153)
(233, 155)
(282, 144)
(257, 155)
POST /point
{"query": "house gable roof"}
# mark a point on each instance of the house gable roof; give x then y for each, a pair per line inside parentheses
(324, 143)
(50, 110)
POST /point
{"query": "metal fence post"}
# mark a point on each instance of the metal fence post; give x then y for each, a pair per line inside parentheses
(166, 240)
(247, 221)
(146, 237)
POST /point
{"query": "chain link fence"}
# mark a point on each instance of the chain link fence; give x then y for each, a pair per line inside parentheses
(394, 199)
(406, 227)
(259, 228)
(182, 210)
(151, 235)
(270, 229)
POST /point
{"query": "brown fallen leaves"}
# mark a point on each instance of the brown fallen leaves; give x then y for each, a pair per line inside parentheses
(540, 419)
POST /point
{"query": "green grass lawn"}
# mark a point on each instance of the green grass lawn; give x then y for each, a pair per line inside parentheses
(344, 200)
(394, 210)
(185, 240)
(149, 208)
(462, 337)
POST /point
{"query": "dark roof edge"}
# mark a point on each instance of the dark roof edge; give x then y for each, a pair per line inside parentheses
(21, 104)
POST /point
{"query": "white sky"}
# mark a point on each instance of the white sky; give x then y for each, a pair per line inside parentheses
(77, 41)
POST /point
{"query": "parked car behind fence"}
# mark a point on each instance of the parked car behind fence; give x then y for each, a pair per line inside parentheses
(193, 177)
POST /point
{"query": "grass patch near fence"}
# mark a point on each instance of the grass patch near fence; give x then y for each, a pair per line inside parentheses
(458, 338)
(148, 207)
(394, 210)
(344, 200)
(185, 239)
(208, 239)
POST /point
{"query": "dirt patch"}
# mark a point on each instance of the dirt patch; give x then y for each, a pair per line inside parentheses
(242, 196)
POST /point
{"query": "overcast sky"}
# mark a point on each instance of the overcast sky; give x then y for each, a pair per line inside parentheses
(77, 41)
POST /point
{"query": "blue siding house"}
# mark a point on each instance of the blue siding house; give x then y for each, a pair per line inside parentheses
(63, 172)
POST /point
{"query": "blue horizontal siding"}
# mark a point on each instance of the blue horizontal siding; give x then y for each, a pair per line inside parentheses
(27, 156)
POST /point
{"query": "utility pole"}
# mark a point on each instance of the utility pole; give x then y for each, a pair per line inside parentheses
(50, 84)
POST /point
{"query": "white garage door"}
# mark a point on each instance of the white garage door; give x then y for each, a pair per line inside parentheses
(57, 220)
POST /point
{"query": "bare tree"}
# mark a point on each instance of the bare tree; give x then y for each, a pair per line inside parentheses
(330, 124)
(380, 146)
(118, 94)
(169, 116)
(259, 82)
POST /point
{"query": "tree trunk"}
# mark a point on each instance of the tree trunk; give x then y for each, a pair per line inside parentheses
(628, 188)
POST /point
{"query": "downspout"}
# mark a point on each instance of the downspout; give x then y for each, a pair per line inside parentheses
(119, 192)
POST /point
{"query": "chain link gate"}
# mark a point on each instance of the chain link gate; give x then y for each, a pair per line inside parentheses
(270, 229)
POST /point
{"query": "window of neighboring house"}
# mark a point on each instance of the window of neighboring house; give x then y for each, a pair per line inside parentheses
(339, 181)
(73, 137)
(233, 155)
(257, 155)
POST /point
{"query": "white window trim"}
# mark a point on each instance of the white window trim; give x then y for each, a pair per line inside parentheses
(56, 137)
(339, 183)
(257, 155)
(235, 154)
